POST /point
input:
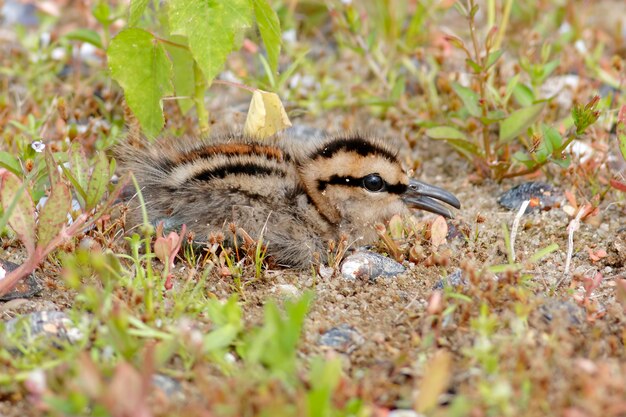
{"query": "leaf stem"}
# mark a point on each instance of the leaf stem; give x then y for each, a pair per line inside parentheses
(234, 84)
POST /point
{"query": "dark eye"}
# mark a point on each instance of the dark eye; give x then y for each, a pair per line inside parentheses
(373, 182)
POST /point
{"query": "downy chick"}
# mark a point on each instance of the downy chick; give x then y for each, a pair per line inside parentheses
(297, 196)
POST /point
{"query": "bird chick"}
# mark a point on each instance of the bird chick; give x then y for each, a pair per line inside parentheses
(297, 196)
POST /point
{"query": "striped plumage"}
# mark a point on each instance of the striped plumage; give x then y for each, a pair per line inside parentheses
(299, 195)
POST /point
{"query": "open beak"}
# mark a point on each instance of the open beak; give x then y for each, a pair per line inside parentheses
(423, 196)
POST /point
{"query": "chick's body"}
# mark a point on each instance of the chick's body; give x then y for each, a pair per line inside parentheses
(296, 195)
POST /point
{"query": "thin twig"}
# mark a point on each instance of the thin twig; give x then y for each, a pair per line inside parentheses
(515, 226)
(573, 226)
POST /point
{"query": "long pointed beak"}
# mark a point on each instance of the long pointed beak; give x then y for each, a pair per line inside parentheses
(424, 196)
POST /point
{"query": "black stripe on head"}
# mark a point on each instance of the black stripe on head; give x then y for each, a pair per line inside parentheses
(241, 168)
(357, 145)
(350, 181)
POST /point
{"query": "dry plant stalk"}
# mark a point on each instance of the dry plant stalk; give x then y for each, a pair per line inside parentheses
(515, 226)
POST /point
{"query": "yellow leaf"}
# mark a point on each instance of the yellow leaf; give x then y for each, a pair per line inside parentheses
(435, 382)
(266, 115)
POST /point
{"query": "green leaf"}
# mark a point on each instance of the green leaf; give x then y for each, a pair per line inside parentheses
(53, 215)
(445, 132)
(493, 117)
(54, 176)
(399, 87)
(184, 78)
(324, 376)
(10, 162)
(519, 121)
(552, 137)
(135, 11)
(469, 98)
(102, 13)
(81, 195)
(138, 62)
(464, 147)
(510, 86)
(498, 269)
(225, 313)
(210, 27)
(274, 345)
(563, 162)
(112, 197)
(548, 68)
(493, 57)
(542, 253)
(269, 27)
(523, 95)
(85, 35)
(78, 172)
(473, 65)
(523, 157)
(220, 338)
(98, 181)
(547, 147)
(17, 201)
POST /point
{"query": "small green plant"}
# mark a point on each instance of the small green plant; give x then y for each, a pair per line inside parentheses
(184, 55)
(42, 231)
(485, 105)
(274, 345)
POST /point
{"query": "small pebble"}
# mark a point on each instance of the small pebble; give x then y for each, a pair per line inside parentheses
(343, 338)
(25, 288)
(326, 272)
(559, 311)
(369, 266)
(52, 326)
(287, 291)
(542, 195)
(455, 279)
(168, 386)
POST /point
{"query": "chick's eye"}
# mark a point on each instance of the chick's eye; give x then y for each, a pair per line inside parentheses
(373, 182)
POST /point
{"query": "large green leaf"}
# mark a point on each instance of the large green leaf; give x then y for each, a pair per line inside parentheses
(53, 215)
(135, 11)
(269, 27)
(210, 27)
(140, 65)
(518, 121)
(184, 79)
(17, 201)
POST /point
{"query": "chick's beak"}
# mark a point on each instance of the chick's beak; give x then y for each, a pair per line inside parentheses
(424, 196)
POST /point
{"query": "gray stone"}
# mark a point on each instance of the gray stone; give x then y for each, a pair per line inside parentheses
(370, 266)
(544, 194)
(343, 338)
